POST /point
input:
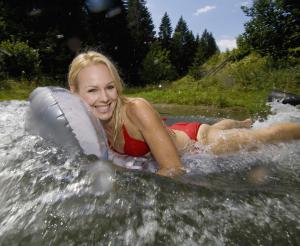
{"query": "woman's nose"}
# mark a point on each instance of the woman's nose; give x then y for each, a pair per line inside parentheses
(103, 96)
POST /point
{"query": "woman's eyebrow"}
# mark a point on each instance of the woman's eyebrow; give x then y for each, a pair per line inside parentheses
(94, 86)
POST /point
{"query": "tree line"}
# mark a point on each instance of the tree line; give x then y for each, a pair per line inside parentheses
(40, 37)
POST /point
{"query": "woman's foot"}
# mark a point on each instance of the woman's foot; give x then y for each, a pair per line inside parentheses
(246, 123)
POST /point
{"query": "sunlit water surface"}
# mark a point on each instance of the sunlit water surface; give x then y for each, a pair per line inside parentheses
(48, 197)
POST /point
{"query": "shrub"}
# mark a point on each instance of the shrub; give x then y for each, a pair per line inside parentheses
(2, 69)
(19, 59)
(250, 72)
(157, 66)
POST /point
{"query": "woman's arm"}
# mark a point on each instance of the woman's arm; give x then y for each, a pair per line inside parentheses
(147, 120)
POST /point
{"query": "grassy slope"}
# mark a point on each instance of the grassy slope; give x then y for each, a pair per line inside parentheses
(244, 84)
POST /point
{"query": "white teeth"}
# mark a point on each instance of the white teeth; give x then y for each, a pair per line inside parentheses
(102, 108)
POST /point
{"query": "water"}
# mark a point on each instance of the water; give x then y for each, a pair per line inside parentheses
(49, 197)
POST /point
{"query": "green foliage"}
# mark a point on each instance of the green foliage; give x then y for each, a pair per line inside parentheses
(124, 32)
(183, 47)
(244, 84)
(254, 72)
(3, 22)
(207, 47)
(3, 53)
(142, 33)
(249, 72)
(295, 52)
(51, 26)
(140, 22)
(274, 27)
(243, 48)
(165, 31)
(157, 66)
(20, 60)
(44, 30)
(186, 91)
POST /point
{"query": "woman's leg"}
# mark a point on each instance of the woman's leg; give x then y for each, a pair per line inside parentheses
(232, 140)
(229, 124)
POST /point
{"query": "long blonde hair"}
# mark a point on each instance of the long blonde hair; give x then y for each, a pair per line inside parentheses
(93, 58)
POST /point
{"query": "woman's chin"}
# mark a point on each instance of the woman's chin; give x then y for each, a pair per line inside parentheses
(104, 117)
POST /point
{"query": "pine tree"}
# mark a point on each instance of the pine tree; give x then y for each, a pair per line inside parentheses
(142, 35)
(207, 47)
(182, 47)
(165, 31)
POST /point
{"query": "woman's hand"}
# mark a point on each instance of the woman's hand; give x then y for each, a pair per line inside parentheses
(171, 172)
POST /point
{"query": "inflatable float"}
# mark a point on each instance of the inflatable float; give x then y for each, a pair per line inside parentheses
(61, 117)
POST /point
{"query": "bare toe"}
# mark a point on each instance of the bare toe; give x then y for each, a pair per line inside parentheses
(247, 123)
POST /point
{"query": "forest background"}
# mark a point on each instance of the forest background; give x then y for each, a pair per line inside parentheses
(39, 38)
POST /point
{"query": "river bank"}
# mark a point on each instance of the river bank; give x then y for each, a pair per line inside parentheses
(204, 111)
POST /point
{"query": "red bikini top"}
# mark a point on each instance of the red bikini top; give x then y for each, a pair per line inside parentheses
(132, 146)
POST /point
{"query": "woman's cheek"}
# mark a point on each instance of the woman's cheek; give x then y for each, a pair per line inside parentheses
(114, 94)
(88, 99)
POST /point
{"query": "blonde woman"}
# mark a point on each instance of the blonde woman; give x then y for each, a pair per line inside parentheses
(134, 128)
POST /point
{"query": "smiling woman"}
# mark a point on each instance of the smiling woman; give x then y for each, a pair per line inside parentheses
(134, 128)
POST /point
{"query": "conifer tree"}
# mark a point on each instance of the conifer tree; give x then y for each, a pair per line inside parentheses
(207, 47)
(165, 31)
(142, 35)
(182, 47)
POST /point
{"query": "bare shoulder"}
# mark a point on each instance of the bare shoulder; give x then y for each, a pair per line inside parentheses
(138, 102)
(139, 110)
(138, 105)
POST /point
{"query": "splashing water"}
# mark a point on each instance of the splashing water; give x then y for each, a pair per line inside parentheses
(51, 198)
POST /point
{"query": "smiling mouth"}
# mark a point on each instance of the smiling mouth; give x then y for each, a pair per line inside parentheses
(102, 108)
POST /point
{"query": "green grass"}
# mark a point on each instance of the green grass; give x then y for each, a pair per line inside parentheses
(15, 90)
(250, 100)
(20, 89)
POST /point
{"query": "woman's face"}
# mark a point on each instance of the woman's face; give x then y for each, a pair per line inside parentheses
(96, 87)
